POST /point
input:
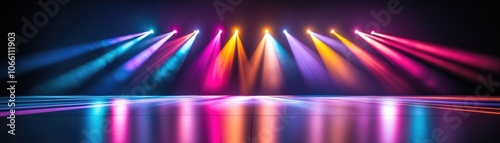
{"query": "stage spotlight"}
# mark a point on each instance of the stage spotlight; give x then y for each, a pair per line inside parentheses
(236, 31)
(308, 31)
(332, 31)
(267, 31)
(284, 31)
(356, 31)
(373, 32)
(151, 31)
(220, 31)
(175, 31)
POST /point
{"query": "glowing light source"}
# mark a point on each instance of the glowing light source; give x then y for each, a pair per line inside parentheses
(308, 31)
(203, 62)
(428, 77)
(272, 77)
(284, 31)
(378, 68)
(197, 31)
(135, 62)
(332, 31)
(373, 32)
(175, 31)
(125, 71)
(172, 66)
(151, 31)
(249, 68)
(219, 73)
(267, 31)
(341, 71)
(356, 31)
(160, 56)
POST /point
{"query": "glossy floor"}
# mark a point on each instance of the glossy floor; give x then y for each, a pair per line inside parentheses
(248, 119)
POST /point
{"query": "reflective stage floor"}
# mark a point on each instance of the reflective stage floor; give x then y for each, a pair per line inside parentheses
(249, 119)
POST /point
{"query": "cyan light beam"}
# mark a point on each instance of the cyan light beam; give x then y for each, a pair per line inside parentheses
(76, 77)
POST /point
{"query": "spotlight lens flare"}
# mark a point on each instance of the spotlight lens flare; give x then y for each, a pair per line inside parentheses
(356, 31)
(235, 31)
(308, 31)
(220, 31)
(151, 31)
(284, 31)
(267, 31)
(175, 31)
(332, 31)
(197, 31)
(373, 32)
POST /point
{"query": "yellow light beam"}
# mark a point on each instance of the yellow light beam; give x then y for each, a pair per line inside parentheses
(340, 70)
(220, 72)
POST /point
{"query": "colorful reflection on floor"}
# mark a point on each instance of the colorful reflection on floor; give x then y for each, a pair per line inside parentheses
(249, 119)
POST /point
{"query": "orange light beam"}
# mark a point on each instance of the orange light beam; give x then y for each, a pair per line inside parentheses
(219, 74)
(340, 70)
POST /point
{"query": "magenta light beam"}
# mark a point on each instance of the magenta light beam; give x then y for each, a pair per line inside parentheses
(206, 58)
(449, 66)
(482, 62)
(430, 78)
(144, 55)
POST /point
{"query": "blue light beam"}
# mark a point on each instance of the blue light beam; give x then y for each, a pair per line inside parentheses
(172, 66)
(76, 77)
(108, 84)
(39, 60)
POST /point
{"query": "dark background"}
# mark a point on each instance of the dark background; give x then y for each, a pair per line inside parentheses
(467, 25)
